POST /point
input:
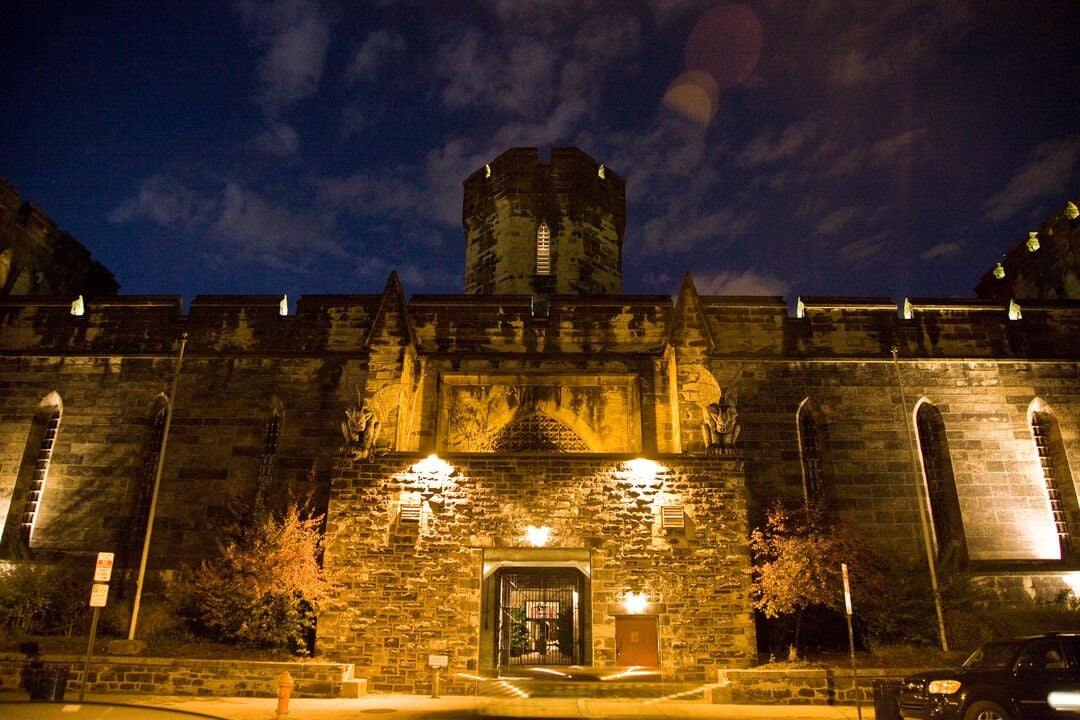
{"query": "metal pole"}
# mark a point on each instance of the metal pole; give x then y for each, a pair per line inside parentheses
(851, 641)
(89, 653)
(928, 542)
(154, 493)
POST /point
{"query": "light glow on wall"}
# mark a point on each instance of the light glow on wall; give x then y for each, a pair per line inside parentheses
(635, 603)
(537, 536)
(641, 471)
(433, 467)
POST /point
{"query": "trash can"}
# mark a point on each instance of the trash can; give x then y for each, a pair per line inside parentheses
(48, 683)
(886, 696)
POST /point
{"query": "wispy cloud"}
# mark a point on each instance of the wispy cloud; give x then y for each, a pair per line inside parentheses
(1049, 169)
(837, 220)
(278, 140)
(295, 35)
(942, 250)
(372, 54)
(749, 282)
(769, 148)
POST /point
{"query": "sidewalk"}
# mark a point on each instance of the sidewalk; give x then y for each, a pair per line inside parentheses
(458, 706)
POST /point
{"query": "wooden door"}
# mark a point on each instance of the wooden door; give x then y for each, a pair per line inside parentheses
(636, 641)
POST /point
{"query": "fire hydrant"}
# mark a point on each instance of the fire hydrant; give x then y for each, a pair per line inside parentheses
(284, 691)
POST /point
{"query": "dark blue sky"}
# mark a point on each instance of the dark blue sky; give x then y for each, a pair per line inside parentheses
(826, 147)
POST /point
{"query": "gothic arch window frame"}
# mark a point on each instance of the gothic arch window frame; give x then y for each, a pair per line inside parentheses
(543, 249)
(942, 501)
(268, 456)
(28, 495)
(810, 460)
(143, 491)
(1053, 463)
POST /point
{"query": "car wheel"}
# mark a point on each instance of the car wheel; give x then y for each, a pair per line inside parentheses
(986, 710)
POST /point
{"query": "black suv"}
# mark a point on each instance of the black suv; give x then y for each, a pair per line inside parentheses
(1030, 678)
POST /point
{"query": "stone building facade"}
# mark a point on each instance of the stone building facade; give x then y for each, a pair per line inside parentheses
(600, 457)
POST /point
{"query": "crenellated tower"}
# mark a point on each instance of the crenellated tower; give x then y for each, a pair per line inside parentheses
(541, 228)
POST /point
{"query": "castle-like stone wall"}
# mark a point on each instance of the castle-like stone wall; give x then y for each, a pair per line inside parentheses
(414, 590)
(37, 258)
(1044, 267)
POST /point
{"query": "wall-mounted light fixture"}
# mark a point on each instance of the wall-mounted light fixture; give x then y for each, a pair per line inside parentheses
(537, 536)
(640, 471)
(433, 467)
(635, 603)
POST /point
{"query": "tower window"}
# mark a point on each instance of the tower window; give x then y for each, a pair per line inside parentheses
(145, 489)
(543, 250)
(41, 472)
(27, 495)
(269, 453)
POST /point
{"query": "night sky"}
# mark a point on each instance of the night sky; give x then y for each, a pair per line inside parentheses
(826, 147)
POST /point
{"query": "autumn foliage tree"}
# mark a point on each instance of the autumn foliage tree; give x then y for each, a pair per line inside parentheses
(796, 565)
(266, 584)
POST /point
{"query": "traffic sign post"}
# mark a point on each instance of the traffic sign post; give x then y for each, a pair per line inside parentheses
(851, 641)
(99, 597)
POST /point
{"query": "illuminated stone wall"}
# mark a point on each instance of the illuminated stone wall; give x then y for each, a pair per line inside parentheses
(583, 207)
(410, 591)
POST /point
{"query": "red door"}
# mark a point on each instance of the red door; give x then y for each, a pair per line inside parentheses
(635, 641)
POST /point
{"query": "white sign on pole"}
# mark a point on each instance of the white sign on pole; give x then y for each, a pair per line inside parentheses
(847, 589)
(103, 570)
(438, 661)
(99, 595)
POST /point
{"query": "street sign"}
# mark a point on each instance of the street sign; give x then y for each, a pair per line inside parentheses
(103, 570)
(847, 590)
(438, 661)
(99, 595)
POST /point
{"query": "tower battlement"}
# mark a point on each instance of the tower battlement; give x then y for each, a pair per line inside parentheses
(537, 228)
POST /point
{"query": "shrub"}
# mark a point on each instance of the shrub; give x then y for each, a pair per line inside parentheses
(266, 583)
(45, 599)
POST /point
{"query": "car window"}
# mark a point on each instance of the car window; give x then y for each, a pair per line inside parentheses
(1041, 654)
(1071, 643)
(993, 654)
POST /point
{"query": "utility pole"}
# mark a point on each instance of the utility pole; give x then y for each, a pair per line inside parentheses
(154, 492)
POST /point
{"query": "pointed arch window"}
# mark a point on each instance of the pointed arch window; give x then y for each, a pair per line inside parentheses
(1056, 475)
(810, 453)
(269, 454)
(940, 483)
(29, 492)
(543, 249)
(144, 492)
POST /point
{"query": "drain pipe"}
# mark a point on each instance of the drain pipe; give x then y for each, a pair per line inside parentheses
(928, 542)
(157, 486)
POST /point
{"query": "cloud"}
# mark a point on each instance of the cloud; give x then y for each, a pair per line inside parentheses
(1044, 176)
(278, 140)
(237, 222)
(897, 148)
(768, 148)
(942, 250)
(906, 37)
(374, 271)
(295, 35)
(864, 251)
(835, 221)
(749, 282)
(372, 54)
(164, 201)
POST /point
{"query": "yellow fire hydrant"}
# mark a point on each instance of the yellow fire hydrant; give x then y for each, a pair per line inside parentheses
(284, 692)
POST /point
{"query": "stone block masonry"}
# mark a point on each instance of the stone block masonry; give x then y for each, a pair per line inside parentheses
(413, 591)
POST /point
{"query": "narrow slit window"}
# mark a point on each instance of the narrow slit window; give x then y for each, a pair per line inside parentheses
(543, 250)
(36, 490)
(1055, 475)
(940, 484)
(269, 454)
(146, 485)
(813, 485)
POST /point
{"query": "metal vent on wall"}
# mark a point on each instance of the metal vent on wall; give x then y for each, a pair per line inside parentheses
(409, 514)
(673, 517)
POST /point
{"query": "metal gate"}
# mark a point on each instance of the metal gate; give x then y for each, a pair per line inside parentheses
(540, 616)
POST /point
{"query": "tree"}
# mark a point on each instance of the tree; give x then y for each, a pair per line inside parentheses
(266, 584)
(796, 565)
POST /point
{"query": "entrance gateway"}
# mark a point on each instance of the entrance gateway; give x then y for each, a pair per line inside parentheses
(535, 608)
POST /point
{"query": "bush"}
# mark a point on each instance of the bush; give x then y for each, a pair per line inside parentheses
(38, 599)
(266, 584)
